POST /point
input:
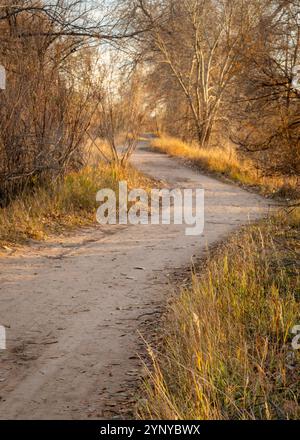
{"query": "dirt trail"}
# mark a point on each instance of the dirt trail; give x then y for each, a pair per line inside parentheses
(73, 306)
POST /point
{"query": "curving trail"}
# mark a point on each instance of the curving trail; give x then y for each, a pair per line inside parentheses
(73, 306)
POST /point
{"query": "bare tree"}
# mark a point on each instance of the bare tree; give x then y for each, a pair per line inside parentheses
(265, 103)
(120, 110)
(198, 42)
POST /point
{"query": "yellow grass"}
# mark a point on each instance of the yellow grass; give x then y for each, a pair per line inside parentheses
(66, 204)
(226, 347)
(225, 161)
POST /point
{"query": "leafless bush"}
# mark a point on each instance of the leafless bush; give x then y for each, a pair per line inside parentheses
(120, 110)
(50, 52)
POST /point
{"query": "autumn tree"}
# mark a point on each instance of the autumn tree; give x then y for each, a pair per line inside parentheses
(196, 45)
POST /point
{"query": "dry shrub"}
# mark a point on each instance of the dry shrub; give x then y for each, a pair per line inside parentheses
(46, 106)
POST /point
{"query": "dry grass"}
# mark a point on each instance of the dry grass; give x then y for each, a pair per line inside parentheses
(62, 205)
(226, 348)
(225, 161)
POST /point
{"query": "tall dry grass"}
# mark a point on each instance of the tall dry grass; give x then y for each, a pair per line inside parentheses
(226, 347)
(225, 161)
(66, 203)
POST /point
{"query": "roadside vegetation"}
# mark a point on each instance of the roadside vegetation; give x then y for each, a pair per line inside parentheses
(227, 162)
(226, 348)
(62, 205)
(62, 116)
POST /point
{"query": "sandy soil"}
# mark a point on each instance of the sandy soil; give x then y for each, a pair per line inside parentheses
(74, 306)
